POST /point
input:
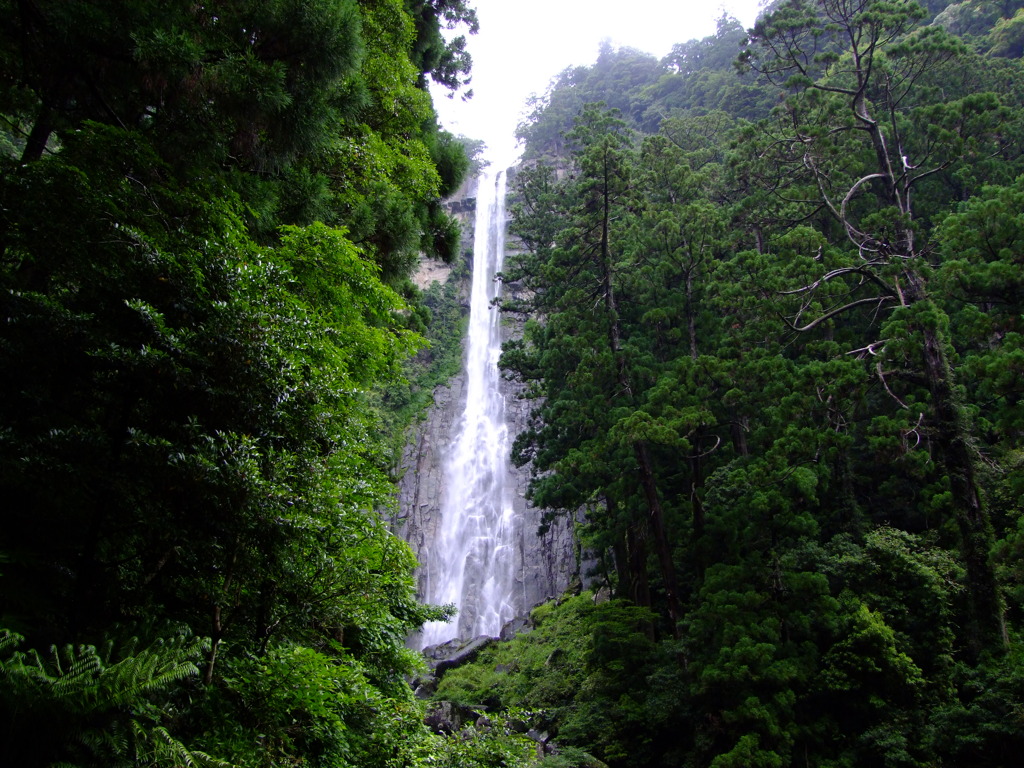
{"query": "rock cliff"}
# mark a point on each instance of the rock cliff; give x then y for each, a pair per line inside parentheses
(545, 564)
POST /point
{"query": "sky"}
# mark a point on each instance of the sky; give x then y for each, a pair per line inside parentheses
(523, 44)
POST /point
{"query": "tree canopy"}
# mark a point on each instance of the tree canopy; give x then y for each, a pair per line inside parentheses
(771, 340)
(210, 212)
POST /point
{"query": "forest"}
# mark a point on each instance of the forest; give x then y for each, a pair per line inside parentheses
(771, 290)
(208, 217)
(772, 294)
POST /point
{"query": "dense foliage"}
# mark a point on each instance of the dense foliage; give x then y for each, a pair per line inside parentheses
(773, 340)
(208, 214)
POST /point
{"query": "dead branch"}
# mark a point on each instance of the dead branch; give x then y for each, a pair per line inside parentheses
(913, 431)
(844, 271)
(869, 349)
(837, 311)
(881, 377)
(709, 451)
(853, 190)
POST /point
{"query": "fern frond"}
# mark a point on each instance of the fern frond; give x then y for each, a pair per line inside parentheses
(112, 740)
(78, 669)
(152, 669)
(95, 688)
(206, 761)
(8, 641)
(157, 747)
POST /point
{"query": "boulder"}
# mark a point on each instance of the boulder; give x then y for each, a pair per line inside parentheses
(445, 717)
(514, 627)
(463, 655)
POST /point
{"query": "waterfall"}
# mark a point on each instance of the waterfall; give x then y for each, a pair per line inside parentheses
(472, 561)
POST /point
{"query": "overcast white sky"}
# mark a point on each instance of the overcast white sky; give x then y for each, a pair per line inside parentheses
(523, 44)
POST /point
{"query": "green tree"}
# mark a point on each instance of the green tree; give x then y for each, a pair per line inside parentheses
(816, 316)
(583, 343)
(189, 433)
(249, 82)
(854, 95)
(1007, 37)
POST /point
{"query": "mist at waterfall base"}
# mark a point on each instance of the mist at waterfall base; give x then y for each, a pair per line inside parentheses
(473, 559)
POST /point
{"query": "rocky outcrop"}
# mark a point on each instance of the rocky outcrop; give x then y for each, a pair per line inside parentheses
(464, 206)
(441, 658)
(446, 718)
(463, 654)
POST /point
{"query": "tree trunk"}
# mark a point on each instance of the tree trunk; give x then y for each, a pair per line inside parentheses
(955, 454)
(691, 319)
(40, 134)
(217, 617)
(696, 484)
(738, 432)
(661, 543)
(639, 589)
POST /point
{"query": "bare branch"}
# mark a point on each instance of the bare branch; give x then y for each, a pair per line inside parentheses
(837, 311)
(881, 377)
(824, 279)
(869, 349)
(853, 191)
(862, 271)
(913, 180)
(913, 431)
(709, 451)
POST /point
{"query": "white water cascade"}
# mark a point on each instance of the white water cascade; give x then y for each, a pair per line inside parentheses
(473, 558)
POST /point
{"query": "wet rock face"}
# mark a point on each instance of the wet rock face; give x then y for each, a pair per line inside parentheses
(549, 560)
(545, 564)
(446, 718)
(418, 515)
(461, 655)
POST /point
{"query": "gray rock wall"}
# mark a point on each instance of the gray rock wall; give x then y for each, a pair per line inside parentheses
(546, 564)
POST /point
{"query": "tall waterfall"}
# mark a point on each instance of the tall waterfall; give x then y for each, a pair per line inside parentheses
(473, 558)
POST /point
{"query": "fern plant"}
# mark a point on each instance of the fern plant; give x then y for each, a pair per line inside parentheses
(81, 706)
